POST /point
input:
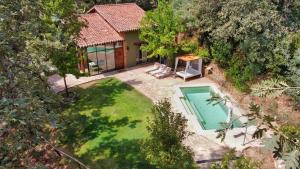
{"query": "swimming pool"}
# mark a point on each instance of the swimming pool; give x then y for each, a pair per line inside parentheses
(210, 116)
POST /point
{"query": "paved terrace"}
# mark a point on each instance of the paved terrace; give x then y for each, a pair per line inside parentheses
(205, 147)
(153, 88)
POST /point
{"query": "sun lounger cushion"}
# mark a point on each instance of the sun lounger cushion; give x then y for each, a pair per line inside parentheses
(161, 69)
(164, 73)
(155, 67)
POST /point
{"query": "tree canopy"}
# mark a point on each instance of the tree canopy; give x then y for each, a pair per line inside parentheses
(28, 107)
(252, 31)
(164, 149)
(247, 38)
(252, 39)
(284, 139)
(63, 27)
(159, 29)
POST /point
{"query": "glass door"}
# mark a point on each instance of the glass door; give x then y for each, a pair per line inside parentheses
(110, 57)
(101, 58)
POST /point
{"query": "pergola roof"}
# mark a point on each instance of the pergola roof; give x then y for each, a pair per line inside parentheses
(188, 57)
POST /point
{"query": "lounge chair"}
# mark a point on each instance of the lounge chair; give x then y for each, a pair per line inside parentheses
(164, 73)
(155, 67)
(159, 70)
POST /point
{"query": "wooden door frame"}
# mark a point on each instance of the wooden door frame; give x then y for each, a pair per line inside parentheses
(116, 57)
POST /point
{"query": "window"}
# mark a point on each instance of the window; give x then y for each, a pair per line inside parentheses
(101, 58)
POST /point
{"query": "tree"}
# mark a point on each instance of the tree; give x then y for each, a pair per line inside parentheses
(260, 37)
(66, 61)
(243, 24)
(287, 64)
(164, 148)
(159, 29)
(26, 102)
(65, 28)
(200, 16)
(285, 140)
(251, 29)
(28, 107)
(290, 12)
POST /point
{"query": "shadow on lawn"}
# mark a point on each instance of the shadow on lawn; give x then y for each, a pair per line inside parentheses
(105, 151)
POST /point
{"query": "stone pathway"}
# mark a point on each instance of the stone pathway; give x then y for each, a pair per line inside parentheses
(204, 147)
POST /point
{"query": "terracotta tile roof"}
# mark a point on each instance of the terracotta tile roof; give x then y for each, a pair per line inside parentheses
(122, 17)
(97, 31)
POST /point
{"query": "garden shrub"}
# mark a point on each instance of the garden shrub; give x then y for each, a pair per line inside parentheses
(231, 161)
(202, 52)
(164, 148)
(221, 53)
(237, 68)
(189, 46)
(294, 80)
(241, 72)
(286, 63)
(192, 46)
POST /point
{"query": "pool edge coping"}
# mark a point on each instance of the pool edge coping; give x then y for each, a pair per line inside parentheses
(194, 123)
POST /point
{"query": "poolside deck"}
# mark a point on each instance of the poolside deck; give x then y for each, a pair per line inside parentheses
(150, 86)
(204, 146)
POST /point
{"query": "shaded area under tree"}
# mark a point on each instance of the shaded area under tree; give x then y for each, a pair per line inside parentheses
(105, 126)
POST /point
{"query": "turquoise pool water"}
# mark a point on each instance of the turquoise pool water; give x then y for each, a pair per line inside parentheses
(209, 115)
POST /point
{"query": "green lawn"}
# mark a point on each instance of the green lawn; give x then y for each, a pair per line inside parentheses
(105, 126)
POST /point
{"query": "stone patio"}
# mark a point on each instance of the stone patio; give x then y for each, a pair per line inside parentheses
(205, 147)
(153, 88)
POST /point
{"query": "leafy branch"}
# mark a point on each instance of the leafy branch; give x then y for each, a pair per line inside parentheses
(216, 99)
(60, 152)
(273, 88)
(284, 144)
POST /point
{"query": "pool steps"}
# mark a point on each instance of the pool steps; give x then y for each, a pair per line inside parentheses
(188, 108)
(199, 115)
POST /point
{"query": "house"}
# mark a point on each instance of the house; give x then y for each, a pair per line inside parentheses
(110, 39)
